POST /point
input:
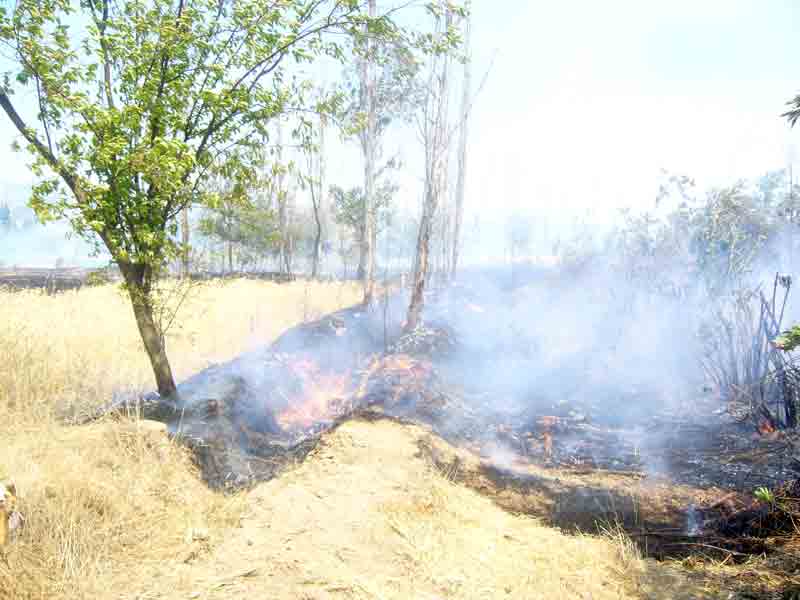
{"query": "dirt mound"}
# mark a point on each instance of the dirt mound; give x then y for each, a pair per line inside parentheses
(367, 515)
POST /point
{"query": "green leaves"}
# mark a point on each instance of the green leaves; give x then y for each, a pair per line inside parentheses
(789, 340)
(764, 495)
(141, 100)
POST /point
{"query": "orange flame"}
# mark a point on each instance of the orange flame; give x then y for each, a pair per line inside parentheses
(327, 395)
(765, 427)
(547, 422)
(322, 397)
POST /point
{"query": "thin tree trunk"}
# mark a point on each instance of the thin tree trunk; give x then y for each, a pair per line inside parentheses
(139, 290)
(369, 147)
(316, 165)
(462, 144)
(422, 261)
(315, 257)
(324, 212)
(185, 233)
(291, 200)
(282, 197)
(436, 146)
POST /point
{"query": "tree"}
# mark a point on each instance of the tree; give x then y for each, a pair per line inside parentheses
(321, 210)
(382, 91)
(793, 114)
(284, 197)
(138, 100)
(434, 131)
(348, 208)
(462, 145)
(238, 218)
(368, 143)
(314, 181)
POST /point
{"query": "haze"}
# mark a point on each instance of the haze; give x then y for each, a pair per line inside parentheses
(585, 103)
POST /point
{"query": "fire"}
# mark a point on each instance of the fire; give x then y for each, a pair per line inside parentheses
(765, 427)
(402, 364)
(547, 422)
(323, 395)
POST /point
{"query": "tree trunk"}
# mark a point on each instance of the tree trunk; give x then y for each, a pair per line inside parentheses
(315, 257)
(462, 145)
(137, 279)
(185, 233)
(369, 147)
(318, 203)
(422, 261)
(282, 197)
(291, 200)
(436, 150)
(361, 270)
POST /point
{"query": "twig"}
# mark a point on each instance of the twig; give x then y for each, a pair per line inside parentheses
(699, 545)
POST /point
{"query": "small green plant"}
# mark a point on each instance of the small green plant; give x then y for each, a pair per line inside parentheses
(765, 495)
(788, 340)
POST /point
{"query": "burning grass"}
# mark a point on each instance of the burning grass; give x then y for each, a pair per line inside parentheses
(110, 508)
(105, 504)
(75, 350)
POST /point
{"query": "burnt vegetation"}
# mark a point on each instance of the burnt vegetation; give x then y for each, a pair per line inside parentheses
(639, 381)
(643, 385)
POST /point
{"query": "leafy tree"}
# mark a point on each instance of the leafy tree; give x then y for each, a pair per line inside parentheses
(348, 208)
(382, 89)
(139, 100)
(790, 340)
(238, 218)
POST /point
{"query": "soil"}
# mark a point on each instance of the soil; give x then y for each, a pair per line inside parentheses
(342, 525)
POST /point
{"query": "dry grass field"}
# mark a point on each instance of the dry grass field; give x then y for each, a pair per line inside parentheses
(116, 510)
(105, 498)
(73, 350)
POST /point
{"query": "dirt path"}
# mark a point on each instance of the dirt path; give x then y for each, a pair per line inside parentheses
(367, 516)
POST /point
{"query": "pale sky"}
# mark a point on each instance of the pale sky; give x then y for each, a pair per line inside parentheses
(587, 101)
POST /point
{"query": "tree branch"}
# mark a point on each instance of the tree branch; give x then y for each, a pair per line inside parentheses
(102, 23)
(69, 178)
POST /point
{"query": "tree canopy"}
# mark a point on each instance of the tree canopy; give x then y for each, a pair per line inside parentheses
(139, 102)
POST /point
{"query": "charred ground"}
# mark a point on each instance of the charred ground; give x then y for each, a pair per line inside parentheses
(677, 476)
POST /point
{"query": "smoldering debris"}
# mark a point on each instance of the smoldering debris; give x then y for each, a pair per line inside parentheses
(545, 373)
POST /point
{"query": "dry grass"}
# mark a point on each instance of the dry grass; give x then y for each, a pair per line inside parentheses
(101, 499)
(107, 502)
(74, 350)
(117, 511)
(367, 517)
(442, 527)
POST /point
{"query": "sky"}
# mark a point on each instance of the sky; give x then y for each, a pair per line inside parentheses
(586, 102)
